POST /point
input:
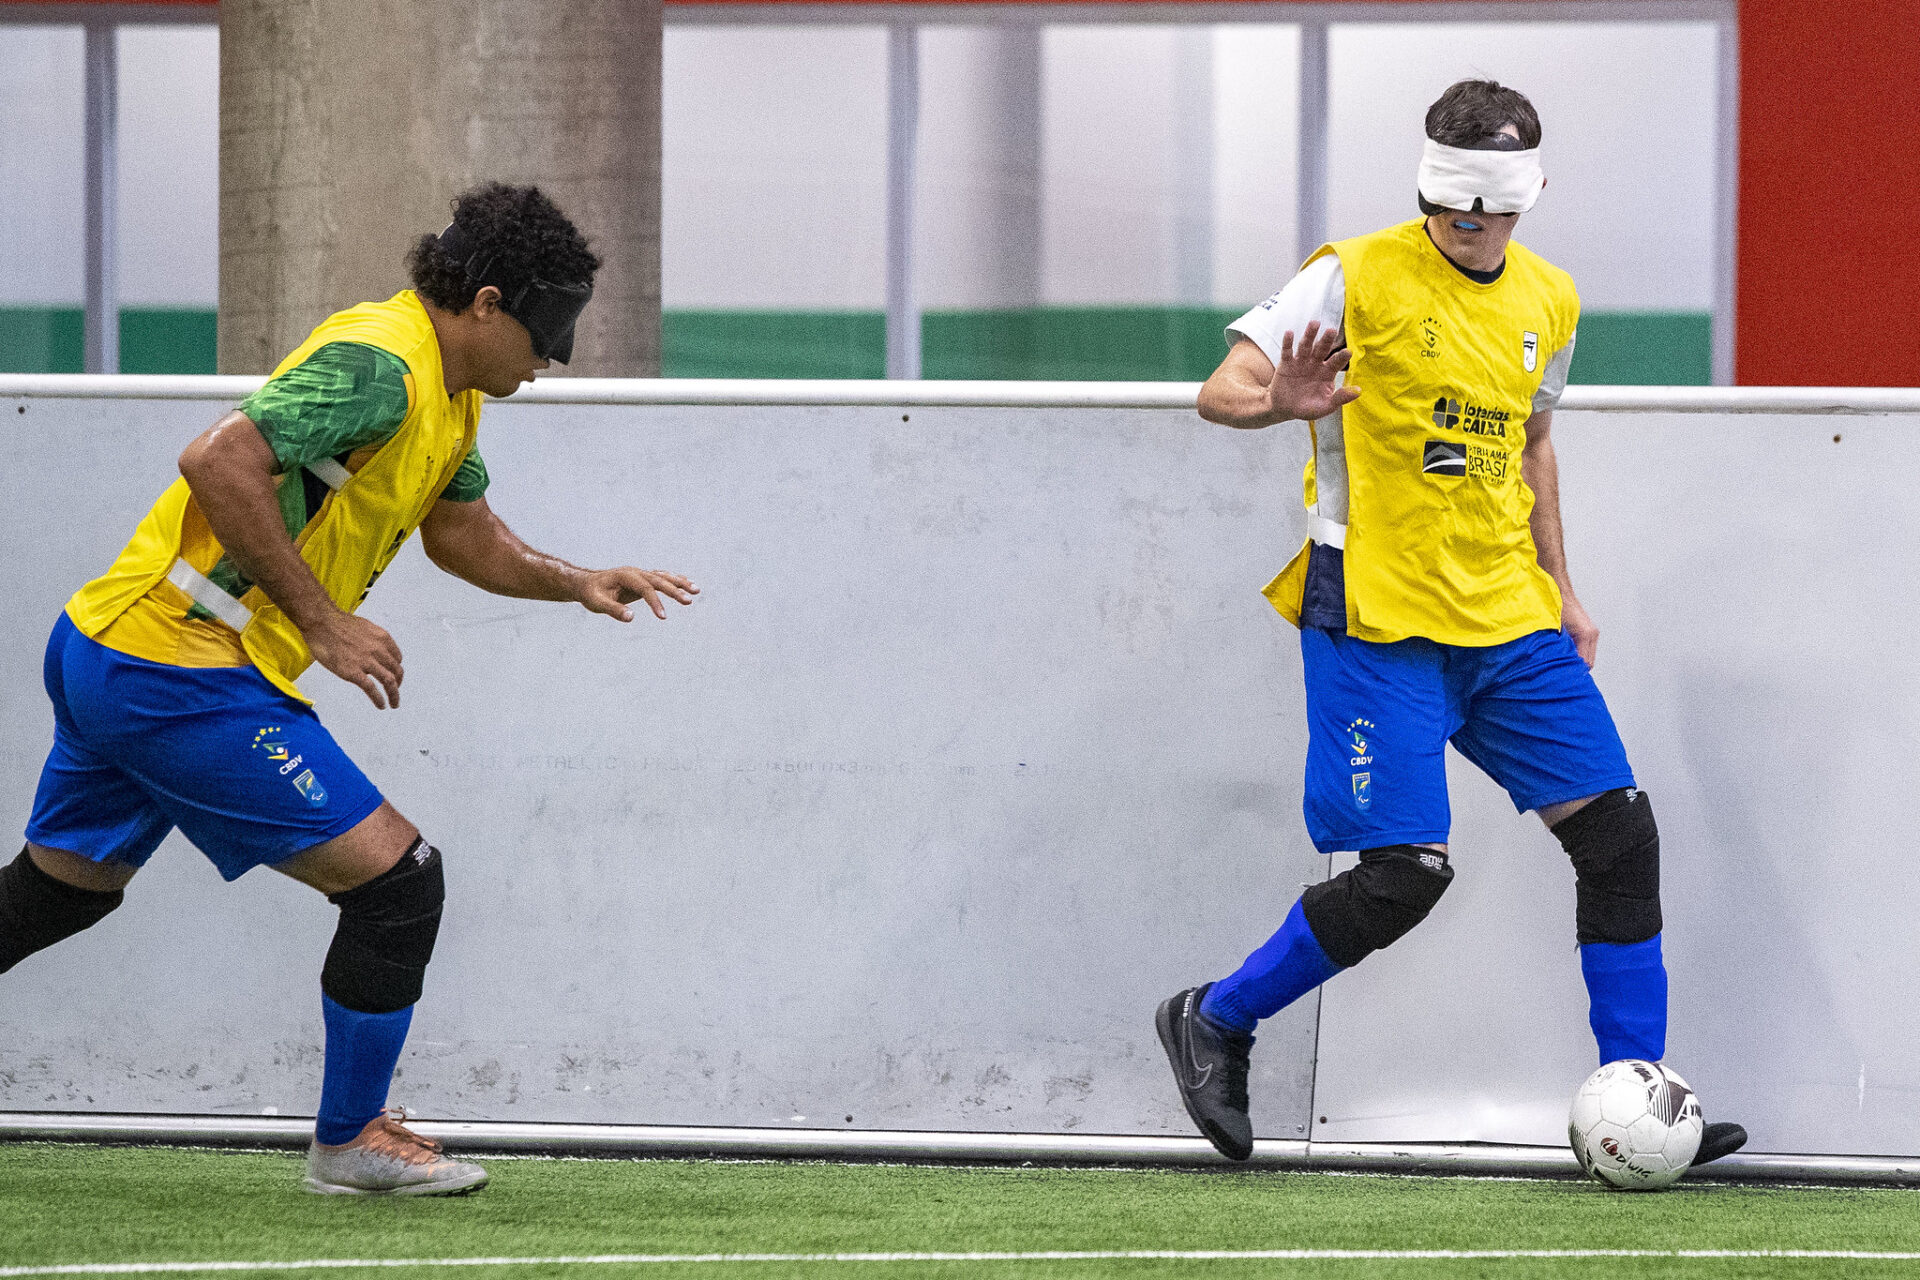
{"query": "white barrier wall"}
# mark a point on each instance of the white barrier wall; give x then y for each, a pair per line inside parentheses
(966, 757)
(981, 741)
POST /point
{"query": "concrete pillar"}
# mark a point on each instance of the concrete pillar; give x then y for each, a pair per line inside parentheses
(347, 127)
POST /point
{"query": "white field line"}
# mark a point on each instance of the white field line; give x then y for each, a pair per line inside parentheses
(1051, 1255)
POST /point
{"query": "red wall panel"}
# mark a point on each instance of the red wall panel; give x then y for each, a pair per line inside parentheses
(1829, 288)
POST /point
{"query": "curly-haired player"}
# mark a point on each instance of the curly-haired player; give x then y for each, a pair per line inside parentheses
(172, 676)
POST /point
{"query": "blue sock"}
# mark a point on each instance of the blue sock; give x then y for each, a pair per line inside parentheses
(1286, 967)
(1627, 987)
(362, 1049)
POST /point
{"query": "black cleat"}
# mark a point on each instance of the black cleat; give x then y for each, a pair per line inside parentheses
(1716, 1140)
(1210, 1066)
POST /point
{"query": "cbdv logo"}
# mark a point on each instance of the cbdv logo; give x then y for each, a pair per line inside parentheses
(1358, 741)
(1362, 750)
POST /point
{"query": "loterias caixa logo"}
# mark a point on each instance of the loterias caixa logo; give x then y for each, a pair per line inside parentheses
(1468, 457)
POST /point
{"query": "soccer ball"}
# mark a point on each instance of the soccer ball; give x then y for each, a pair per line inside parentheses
(1635, 1125)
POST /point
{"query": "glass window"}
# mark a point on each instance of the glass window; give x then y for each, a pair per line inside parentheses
(169, 150)
(773, 201)
(42, 192)
(1629, 126)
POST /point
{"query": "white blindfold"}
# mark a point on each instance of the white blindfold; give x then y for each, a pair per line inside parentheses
(1484, 181)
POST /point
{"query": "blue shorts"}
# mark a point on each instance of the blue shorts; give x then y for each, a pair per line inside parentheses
(139, 748)
(1380, 715)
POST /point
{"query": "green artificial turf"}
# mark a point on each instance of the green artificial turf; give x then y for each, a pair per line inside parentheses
(73, 1204)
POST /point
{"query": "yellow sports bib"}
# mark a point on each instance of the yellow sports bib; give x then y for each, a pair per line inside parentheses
(1437, 539)
(353, 537)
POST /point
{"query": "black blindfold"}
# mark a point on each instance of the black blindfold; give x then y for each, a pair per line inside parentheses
(547, 310)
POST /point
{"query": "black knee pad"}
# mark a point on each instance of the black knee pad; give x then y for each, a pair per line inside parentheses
(1374, 904)
(1615, 848)
(37, 911)
(385, 939)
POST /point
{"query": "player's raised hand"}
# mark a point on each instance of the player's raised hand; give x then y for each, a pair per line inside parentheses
(1304, 381)
(361, 653)
(610, 591)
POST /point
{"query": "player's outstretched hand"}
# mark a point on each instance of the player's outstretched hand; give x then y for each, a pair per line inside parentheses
(610, 591)
(362, 654)
(1304, 380)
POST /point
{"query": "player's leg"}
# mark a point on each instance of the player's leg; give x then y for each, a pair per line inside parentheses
(47, 895)
(1540, 727)
(1376, 781)
(389, 897)
(389, 885)
(253, 778)
(91, 828)
(1614, 845)
(1536, 723)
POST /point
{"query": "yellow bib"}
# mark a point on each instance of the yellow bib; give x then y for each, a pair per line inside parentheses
(351, 539)
(1437, 540)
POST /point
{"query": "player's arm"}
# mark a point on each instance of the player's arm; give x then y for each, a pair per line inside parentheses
(1248, 390)
(1541, 471)
(469, 541)
(231, 470)
(1287, 354)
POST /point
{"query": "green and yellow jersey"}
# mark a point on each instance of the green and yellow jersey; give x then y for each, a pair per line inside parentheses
(365, 440)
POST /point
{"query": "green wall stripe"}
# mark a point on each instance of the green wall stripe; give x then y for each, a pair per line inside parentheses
(1645, 348)
(42, 339)
(169, 340)
(1649, 348)
(152, 340)
(1084, 344)
(773, 344)
(1098, 344)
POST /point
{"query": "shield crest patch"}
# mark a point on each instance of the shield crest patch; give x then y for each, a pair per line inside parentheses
(1529, 350)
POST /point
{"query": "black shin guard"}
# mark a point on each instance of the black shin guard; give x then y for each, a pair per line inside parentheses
(37, 911)
(380, 951)
(1615, 848)
(1374, 904)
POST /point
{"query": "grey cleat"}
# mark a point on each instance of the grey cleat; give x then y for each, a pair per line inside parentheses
(388, 1159)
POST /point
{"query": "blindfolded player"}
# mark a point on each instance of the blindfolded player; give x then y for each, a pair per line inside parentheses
(172, 677)
(1433, 599)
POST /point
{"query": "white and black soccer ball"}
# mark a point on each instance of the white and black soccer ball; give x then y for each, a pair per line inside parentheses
(1635, 1125)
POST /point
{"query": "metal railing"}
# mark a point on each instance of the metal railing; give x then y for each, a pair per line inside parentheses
(1471, 1159)
(958, 394)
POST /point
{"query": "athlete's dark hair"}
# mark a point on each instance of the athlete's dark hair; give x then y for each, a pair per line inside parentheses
(520, 228)
(1471, 113)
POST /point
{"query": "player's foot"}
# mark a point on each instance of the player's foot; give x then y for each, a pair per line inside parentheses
(389, 1159)
(1210, 1065)
(1716, 1140)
